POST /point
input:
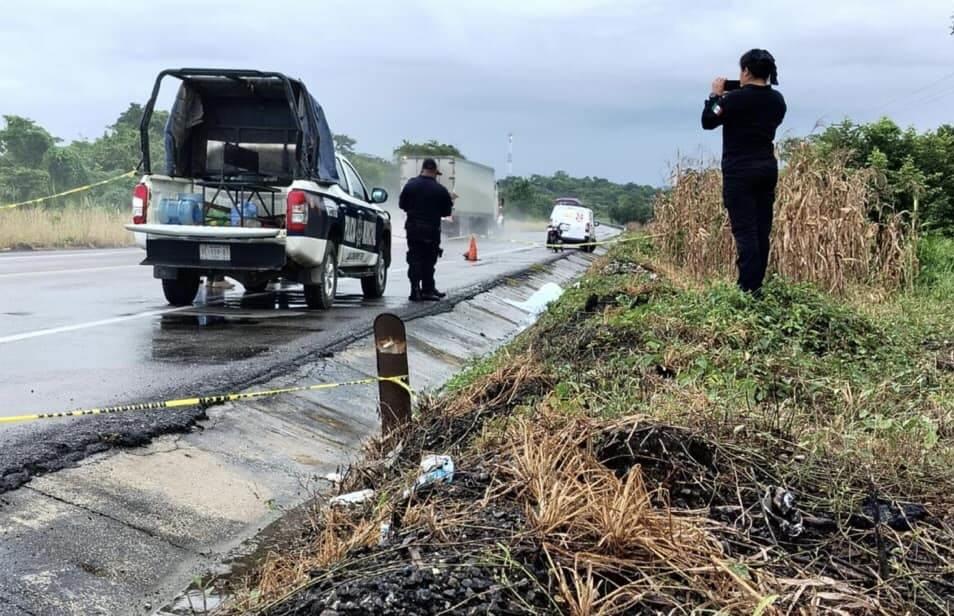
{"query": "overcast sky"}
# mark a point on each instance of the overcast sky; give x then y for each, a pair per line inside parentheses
(605, 88)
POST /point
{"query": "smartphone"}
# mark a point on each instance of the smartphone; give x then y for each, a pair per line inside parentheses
(732, 84)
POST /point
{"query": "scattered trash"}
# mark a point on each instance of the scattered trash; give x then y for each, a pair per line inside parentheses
(541, 298)
(334, 477)
(434, 469)
(352, 498)
(392, 456)
(385, 533)
(622, 267)
(779, 507)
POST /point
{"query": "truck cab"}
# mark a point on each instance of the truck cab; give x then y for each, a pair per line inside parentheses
(251, 188)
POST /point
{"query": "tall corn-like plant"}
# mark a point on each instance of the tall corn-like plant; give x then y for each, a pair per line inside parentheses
(830, 227)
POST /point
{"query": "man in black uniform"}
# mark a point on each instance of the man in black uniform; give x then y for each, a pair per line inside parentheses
(425, 201)
(749, 117)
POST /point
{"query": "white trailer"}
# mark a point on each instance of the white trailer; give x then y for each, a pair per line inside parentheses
(475, 210)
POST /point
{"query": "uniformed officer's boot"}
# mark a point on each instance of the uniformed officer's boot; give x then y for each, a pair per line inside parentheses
(430, 295)
(415, 295)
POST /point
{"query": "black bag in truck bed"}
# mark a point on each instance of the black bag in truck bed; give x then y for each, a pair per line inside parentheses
(248, 256)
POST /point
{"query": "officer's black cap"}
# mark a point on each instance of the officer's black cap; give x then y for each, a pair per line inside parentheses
(430, 165)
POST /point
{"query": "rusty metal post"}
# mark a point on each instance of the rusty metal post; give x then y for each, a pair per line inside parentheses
(390, 342)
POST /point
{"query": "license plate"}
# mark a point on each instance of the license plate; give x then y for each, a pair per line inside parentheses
(214, 252)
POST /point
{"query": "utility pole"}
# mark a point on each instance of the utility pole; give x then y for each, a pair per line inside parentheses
(509, 154)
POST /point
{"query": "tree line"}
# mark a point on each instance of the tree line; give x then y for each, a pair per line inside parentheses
(34, 163)
(916, 168)
(622, 203)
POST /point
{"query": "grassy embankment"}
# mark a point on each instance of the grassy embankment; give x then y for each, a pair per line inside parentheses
(661, 443)
(72, 227)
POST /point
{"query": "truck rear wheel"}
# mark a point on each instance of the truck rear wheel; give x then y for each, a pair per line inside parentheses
(180, 291)
(321, 296)
(373, 286)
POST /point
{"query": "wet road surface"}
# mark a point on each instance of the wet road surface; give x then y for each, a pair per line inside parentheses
(81, 329)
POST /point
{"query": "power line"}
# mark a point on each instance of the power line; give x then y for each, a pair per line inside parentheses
(908, 94)
(935, 96)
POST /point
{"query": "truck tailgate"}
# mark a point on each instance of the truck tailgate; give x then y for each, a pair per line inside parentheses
(209, 233)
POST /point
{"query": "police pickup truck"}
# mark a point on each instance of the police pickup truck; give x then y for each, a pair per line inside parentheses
(253, 189)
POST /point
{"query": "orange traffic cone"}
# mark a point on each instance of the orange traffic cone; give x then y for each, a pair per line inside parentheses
(471, 254)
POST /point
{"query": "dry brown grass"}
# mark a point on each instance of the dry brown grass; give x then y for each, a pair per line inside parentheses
(72, 227)
(611, 542)
(334, 533)
(824, 232)
(594, 526)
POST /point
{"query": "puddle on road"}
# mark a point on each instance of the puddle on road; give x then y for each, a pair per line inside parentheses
(221, 328)
(191, 320)
(221, 335)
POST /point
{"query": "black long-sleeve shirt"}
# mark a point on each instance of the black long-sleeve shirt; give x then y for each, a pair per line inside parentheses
(425, 202)
(749, 118)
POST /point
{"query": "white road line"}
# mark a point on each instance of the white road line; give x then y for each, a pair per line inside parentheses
(116, 267)
(153, 313)
(72, 328)
(66, 271)
(56, 254)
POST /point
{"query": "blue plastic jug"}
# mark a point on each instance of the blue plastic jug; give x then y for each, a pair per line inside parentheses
(190, 209)
(166, 206)
(185, 209)
(249, 211)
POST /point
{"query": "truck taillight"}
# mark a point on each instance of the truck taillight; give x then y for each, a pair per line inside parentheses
(140, 204)
(588, 227)
(296, 215)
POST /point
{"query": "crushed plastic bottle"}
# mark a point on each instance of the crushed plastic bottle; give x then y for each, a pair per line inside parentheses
(434, 469)
(352, 498)
(385, 533)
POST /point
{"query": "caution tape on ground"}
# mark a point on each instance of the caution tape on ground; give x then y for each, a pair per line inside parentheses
(71, 191)
(615, 240)
(204, 401)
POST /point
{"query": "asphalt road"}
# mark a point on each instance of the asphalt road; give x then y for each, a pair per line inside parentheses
(81, 329)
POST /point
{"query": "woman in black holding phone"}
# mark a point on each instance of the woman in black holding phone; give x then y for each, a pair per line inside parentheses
(749, 112)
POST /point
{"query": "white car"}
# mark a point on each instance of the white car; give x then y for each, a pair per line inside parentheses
(572, 223)
(252, 189)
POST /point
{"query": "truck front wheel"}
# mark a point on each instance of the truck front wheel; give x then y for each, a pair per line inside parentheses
(180, 291)
(321, 296)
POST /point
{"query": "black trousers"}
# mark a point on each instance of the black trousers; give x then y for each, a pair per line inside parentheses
(750, 199)
(421, 261)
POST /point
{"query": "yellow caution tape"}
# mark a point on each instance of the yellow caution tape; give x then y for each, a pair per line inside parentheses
(72, 191)
(401, 381)
(615, 240)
